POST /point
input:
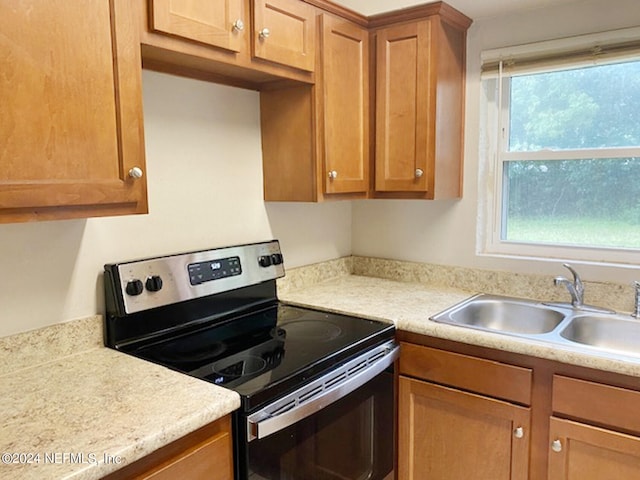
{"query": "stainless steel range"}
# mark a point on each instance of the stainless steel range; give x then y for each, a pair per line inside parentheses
(317, 388)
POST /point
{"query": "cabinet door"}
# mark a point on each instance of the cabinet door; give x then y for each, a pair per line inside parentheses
(71, 122)
(219, 23)
(345, 99)
(285, 32)
(403, 103)
(583, 452)
(209, 460)
(448, 434)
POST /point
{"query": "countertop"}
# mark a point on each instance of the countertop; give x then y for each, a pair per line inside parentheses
(73, 409)
(409, 305)
(86, 414)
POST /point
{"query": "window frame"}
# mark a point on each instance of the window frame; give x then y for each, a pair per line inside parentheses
(494, 130)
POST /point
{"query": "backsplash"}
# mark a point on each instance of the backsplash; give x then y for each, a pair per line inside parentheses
(301, 277)
(540, 287)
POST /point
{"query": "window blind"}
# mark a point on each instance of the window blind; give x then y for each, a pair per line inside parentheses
(561, 54)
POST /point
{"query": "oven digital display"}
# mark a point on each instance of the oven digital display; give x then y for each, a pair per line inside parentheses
(214, 270)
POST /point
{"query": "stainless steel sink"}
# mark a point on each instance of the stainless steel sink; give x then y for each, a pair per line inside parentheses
(502, 314)
(614, 333)
(578, 329)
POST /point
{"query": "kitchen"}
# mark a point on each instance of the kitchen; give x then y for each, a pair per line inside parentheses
(203, 148)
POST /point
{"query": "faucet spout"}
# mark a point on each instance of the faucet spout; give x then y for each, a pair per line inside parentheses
(575, 288)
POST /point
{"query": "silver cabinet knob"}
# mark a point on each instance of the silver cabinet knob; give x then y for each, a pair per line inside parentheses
(518, 432)
(419, 172)
(556, 446)
(135, 172)
(264, 33)
(238, 25)
(333, 174)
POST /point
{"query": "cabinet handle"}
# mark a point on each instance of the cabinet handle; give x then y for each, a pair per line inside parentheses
(333, 174)
(135, 172)
(518, 432)
(419, 172)
(264, 33)
(238, 25)
(556, 445)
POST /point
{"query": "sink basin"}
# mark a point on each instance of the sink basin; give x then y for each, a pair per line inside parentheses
(502, 314)
(616, 334)
(586, 329)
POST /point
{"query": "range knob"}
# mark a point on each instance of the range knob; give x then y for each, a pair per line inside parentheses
(134, 287)
(153, 283)
(276, 258)
(265, 260)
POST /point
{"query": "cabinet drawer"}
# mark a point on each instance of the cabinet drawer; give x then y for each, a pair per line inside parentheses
(596, 403)
(487, 377)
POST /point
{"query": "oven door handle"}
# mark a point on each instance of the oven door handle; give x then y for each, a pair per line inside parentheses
(321, 392)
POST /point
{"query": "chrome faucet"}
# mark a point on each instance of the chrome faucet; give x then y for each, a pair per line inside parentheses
(576, 288)
(636, 312)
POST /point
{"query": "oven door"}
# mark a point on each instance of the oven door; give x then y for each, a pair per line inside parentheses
(348, 438)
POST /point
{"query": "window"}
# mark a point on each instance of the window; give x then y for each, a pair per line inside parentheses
(565, 137)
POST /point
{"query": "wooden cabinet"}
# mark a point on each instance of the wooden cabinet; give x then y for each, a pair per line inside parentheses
(345, 106)
(602, 439)
(326, 96)
(285, 32)
(447, 432)
(315, 139)
(584, 452)
(219, 23)
(245, 43)
(71, 122)
(206, 454)
(420, 81)
(458, 401)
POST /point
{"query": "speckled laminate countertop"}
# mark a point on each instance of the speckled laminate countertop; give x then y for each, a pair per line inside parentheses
(84, 415)
(409, 305)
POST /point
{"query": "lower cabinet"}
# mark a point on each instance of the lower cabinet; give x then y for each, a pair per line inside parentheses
(584, 452)
(600, 436)
(206, 454)
(446, 433)
(477, 413)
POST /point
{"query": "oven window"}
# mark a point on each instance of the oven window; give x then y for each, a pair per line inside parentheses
(351, 439)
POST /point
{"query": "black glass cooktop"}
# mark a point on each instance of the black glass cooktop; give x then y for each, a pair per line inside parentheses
(266, 353)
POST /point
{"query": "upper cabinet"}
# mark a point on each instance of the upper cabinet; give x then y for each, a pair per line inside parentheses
(351, 107)
(219, 23)
(315, 139)
(420, 81)
(246, 43)
(71, 137)
(402, 107)
(285, 33)
(345, 106)
(409, 112)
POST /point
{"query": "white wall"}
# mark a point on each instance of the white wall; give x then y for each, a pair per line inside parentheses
(444, 232)
(204, 168)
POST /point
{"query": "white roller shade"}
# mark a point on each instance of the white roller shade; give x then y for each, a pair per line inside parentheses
(561, 54)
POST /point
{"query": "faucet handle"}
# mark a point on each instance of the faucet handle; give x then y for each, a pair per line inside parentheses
(577, 281)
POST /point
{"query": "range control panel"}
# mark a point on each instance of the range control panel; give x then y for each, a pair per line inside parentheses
(154, 282)
(214, 270)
